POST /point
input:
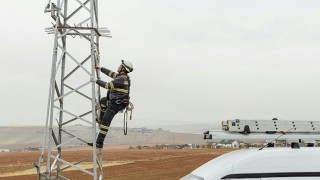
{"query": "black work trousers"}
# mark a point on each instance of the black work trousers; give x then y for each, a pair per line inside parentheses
(107, 117)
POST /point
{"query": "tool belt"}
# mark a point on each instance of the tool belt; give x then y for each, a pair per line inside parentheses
(120, 101)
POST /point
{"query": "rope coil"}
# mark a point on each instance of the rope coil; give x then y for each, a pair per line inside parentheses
(130, 108)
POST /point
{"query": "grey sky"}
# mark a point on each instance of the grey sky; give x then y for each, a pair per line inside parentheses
(195, 61)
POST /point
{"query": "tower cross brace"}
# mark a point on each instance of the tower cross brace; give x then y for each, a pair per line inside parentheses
(73, 96)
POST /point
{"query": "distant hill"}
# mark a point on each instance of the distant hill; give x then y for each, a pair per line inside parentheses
(33, 136)
(190, 128)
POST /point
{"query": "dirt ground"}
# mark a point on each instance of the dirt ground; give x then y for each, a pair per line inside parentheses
(118, 164)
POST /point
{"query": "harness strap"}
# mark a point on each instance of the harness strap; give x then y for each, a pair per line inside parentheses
(120, 101)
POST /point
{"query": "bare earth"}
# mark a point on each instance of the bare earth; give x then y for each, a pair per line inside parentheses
(118, 163)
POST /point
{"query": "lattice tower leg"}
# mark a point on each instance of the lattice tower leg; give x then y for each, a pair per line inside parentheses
(73, 96)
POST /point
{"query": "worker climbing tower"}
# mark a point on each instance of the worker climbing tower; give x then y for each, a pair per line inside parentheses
(73, 96)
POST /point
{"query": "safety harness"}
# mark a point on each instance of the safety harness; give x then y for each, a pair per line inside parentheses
(125, 112)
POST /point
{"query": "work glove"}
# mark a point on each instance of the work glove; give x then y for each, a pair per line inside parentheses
(97, 67)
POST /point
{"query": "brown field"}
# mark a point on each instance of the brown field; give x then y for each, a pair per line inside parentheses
(117, 163)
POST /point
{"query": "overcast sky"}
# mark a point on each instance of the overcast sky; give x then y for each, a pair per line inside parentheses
(195, 62)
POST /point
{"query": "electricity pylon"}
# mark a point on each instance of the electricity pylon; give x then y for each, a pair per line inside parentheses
(73, 95)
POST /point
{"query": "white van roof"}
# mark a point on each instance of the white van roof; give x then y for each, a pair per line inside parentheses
(266, 161)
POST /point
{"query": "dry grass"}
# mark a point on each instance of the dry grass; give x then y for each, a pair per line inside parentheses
(119, 164)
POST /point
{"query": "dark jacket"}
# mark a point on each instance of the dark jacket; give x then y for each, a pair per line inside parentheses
(119, 87)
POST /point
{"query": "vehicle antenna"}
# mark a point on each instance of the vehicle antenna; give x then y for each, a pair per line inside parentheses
(283, 133)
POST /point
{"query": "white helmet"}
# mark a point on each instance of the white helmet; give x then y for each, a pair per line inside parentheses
(127, 65)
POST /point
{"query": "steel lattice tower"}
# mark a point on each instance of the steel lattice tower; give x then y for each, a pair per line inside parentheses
(73, 95)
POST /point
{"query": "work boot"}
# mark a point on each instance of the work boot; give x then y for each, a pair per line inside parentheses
(100, 146)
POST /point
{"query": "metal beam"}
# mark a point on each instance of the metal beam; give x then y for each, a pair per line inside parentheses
(63, 60)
